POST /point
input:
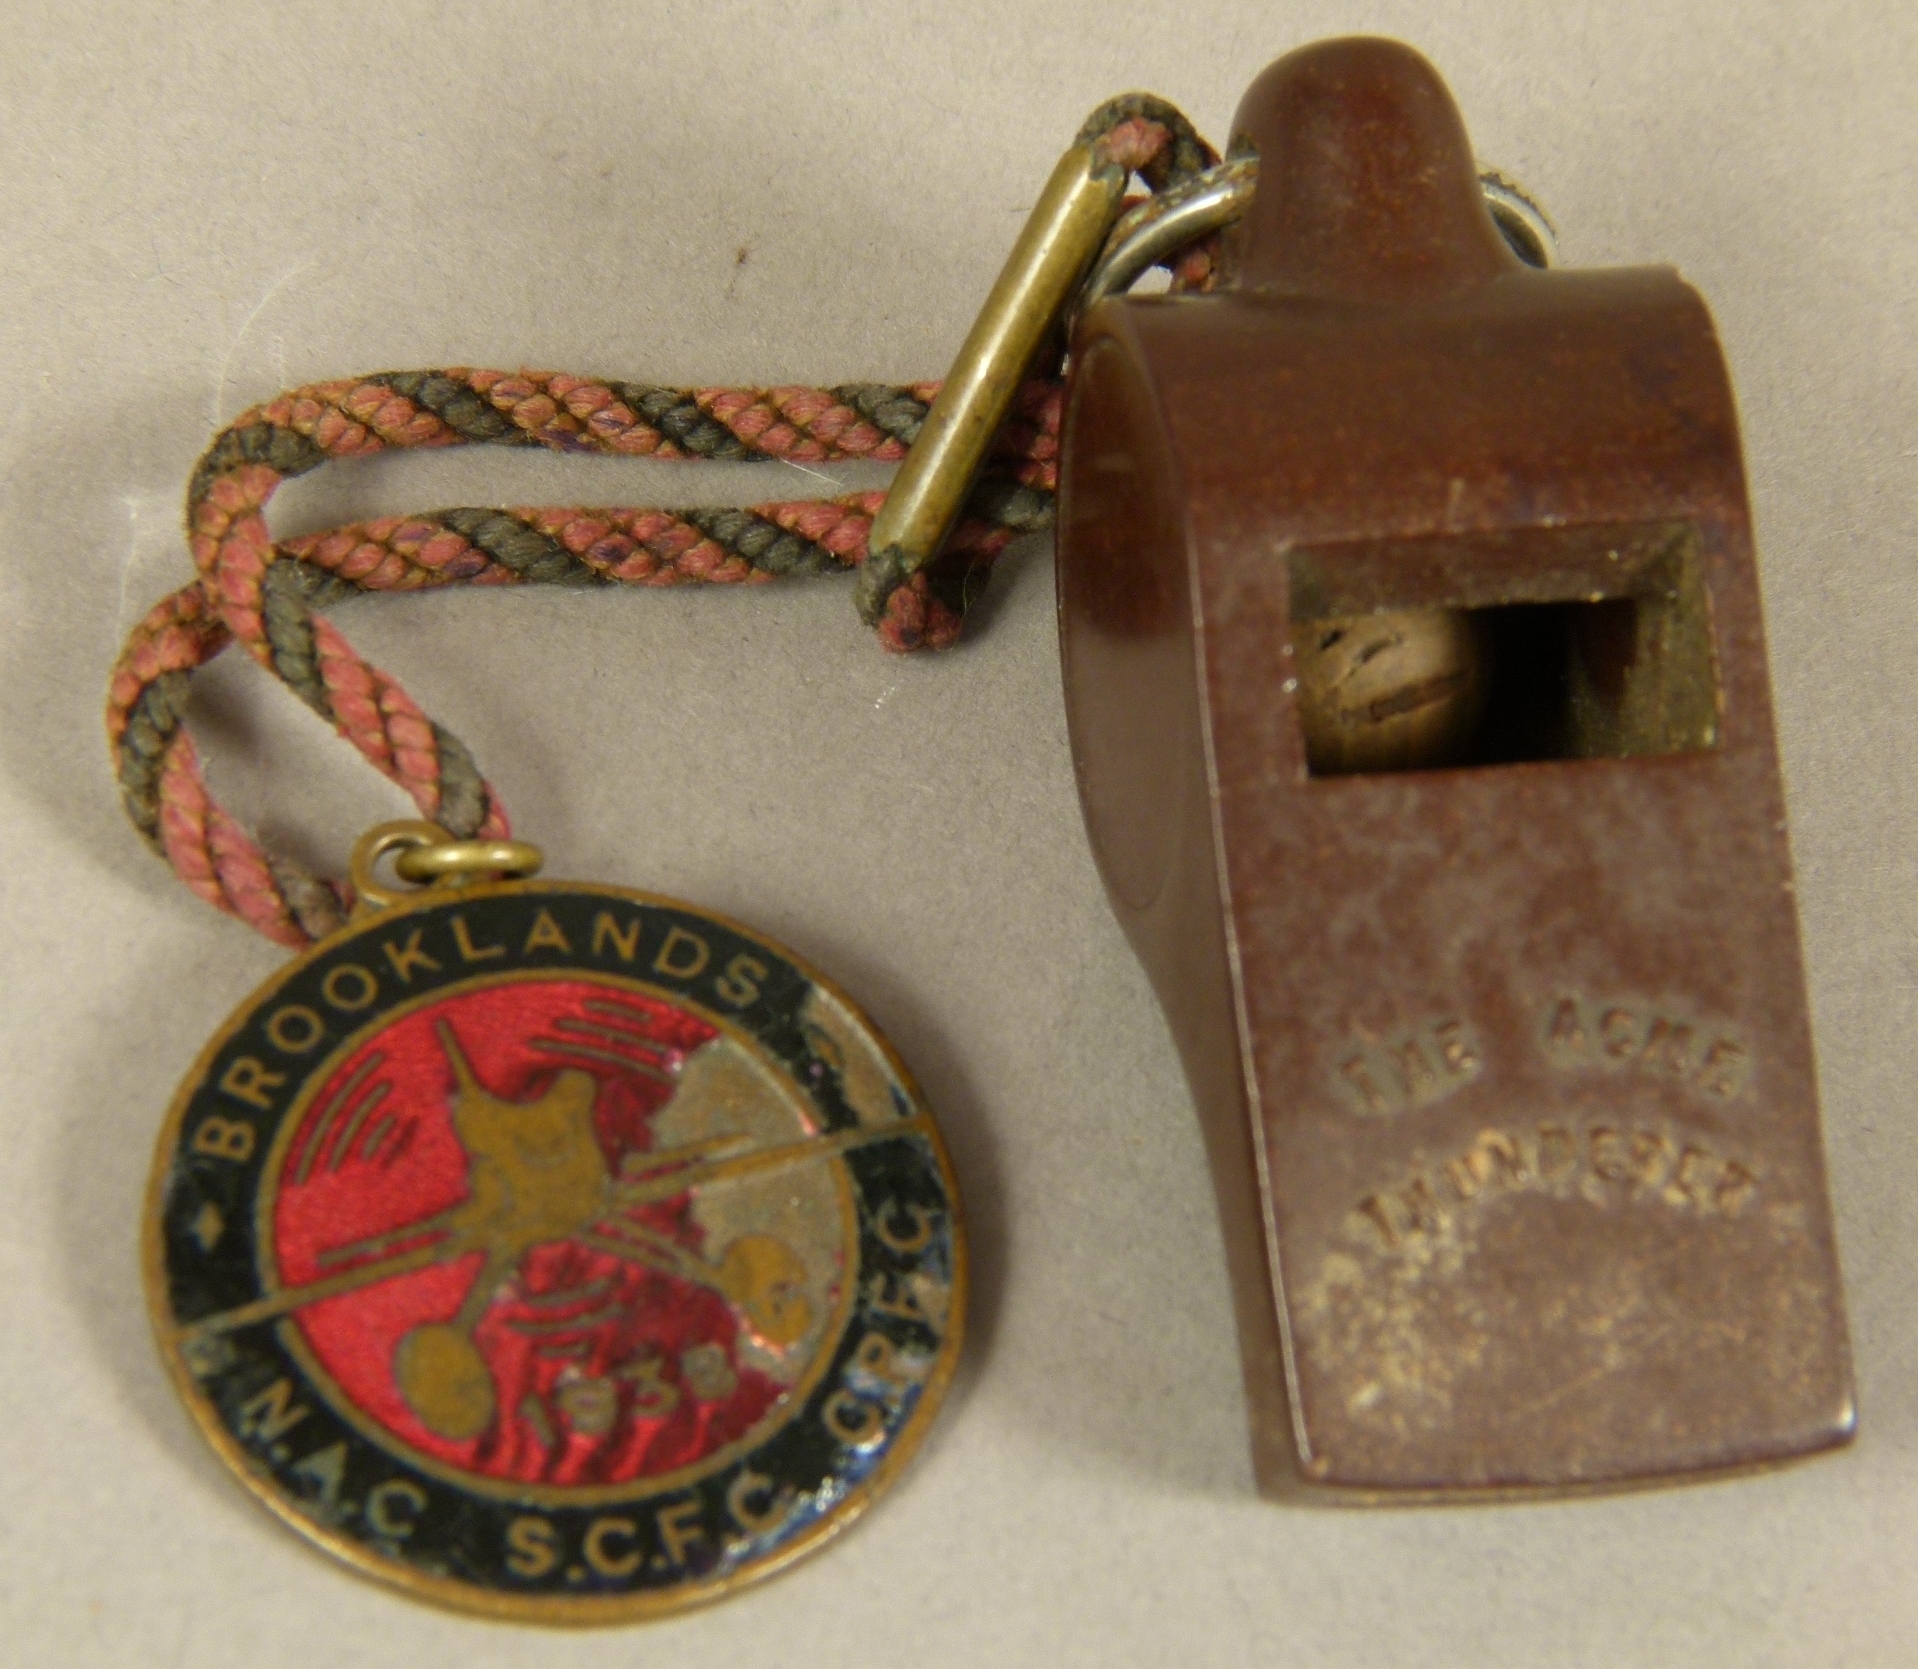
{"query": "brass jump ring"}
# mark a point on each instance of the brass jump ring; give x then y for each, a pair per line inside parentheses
(429, 855)
(460, 860)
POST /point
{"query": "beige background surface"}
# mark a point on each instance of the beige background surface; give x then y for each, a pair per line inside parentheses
(201, 204)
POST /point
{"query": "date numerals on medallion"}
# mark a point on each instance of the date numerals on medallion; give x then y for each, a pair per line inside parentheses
(1630, 1035)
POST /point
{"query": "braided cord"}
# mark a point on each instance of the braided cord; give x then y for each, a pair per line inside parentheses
(269, 597)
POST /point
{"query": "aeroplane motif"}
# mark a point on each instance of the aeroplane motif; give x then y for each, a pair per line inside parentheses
(537, 1176)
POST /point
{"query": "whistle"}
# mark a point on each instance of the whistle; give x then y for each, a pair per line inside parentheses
(1418, 699)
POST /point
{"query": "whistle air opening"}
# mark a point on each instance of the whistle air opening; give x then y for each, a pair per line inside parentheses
(1584, 643)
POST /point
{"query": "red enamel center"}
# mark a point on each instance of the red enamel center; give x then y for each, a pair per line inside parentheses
(552, 1315)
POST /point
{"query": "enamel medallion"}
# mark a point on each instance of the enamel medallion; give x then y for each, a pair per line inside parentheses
(556, 1252)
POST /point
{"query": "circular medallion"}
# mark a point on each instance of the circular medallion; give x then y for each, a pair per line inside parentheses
(556, 1251)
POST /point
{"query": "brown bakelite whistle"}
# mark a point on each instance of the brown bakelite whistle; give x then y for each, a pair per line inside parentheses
(1418, 697)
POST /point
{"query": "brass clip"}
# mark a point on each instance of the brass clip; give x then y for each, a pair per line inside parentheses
(1061, 237)
(1075, 232)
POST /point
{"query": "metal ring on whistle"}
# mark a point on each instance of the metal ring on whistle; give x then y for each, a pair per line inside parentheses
(1161, 226)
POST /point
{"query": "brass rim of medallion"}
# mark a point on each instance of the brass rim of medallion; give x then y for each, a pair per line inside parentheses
(784, 1409)
(564, 1609)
